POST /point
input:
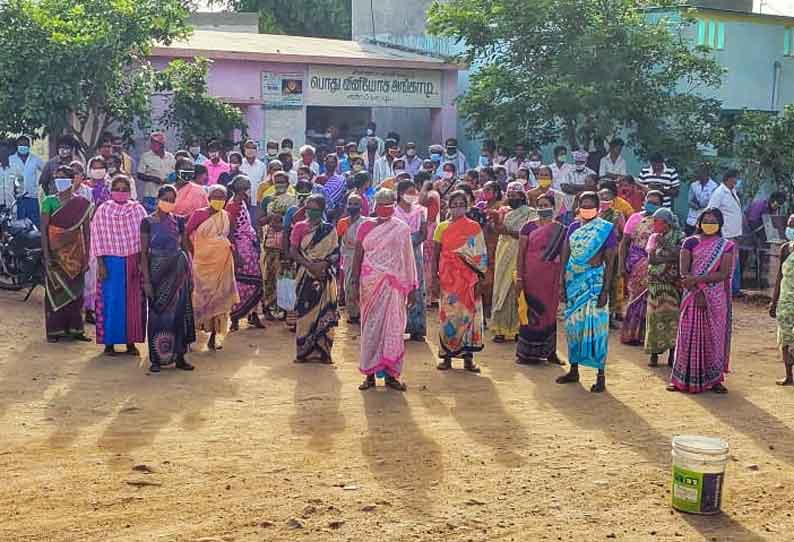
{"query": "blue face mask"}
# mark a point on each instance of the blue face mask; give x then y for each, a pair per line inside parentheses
(485, 161)
(790, 234)
(63, 184)
(650, 208)
(23, 149)
(436, 158)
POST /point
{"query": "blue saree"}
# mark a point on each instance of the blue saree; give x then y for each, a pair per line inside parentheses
(586, 325)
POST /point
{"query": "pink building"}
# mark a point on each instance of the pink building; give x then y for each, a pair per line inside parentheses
(300, 87)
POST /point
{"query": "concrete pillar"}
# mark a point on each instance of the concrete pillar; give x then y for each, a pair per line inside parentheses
(255, 118)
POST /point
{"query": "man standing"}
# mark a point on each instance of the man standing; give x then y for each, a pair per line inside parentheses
(307, 153)
(613, 165)
(700, 193)
(194, 147)
(413, 163)
(454, 155)
(117, 145)
(215, 165)
(370, 136)
(662, 178)
(560, 168)
(66, 146)
(519, 160)
(727, 201)
(252, 167)
(155, 165)
(29, 167)
(575, 180)
(383, 169)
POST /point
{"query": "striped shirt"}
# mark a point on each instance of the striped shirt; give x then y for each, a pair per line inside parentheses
(667, 179)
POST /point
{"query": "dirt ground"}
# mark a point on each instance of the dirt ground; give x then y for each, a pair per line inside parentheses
(253, 447)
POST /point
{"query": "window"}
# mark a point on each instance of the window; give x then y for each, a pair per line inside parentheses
(788, 41)
(711, 33)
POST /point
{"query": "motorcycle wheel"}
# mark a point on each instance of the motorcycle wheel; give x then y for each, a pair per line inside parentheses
(12, 284)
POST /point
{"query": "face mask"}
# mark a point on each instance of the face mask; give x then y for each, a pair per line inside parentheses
(215, 156)
(579, 167)
(544, 182)
(484, 161)
(120, 197)
(448, 174)
(384, 211)
(452, 151)
(515, 203)
(65, 153)
(435, 158)
(605, 205)
(588, 214)
(195, 150)
(546, 213)
(314, 214)
(63, 184)
(281, 189)
(457, 212)
(370, 132)
(250, 153)
(488, 196)
(411, 199)
(650, 208)
(98, 174)
(410, 152)
(272, 152)
(23, 149)
(534, 164)
(166, 207)
(562, 157)
(659, 226)
(790, 234)
(286, 149)
(358, 167)
(354, 211)
(710, 229)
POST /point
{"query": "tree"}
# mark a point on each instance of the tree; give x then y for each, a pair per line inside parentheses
(315, 18)
(80, 66)
(765, 149)
(582, 71)
(191, 110)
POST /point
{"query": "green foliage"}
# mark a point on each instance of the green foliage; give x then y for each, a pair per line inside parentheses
(315, 18)
(765, 149)
(80, 65)
(583, 71)
(191, 111)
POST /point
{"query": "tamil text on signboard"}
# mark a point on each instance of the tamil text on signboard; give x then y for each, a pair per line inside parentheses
(373, 87)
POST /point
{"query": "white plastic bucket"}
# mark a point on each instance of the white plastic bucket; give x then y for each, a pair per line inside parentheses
(698, 473)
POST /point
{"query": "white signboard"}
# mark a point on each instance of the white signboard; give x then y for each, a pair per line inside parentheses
(372, 87)
(282, 89)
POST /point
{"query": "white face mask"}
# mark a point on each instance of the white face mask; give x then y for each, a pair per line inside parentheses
(411, 199)
(195, 150)
(370, 132)
(250, 153)
(98, 174)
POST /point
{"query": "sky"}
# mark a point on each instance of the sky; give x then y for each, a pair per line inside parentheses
(776, 7)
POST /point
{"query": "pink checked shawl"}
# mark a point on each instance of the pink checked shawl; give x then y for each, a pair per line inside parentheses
(413, 218)
(388, 275)
(116, 229)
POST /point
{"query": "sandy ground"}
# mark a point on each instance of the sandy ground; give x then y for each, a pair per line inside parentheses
(253, 447)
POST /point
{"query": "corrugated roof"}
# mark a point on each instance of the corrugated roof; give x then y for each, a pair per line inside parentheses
(280, 48)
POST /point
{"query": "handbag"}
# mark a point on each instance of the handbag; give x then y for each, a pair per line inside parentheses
(285, 292)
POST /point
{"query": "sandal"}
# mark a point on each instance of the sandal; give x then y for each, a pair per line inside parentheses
(671, 387)
(395, 384)
(719, 388)
(469, 365)
(568, 378)
(132, 350)
(654, 362)
(184, 365)
(154, 368)
(235, 326)
(368, 383)
(600, 385)
(499, 339)
(445, 365)
(254, 321)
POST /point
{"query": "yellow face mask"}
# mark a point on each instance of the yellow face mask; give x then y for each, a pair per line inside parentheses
(217, 204)
(544, 182)
(710, 229)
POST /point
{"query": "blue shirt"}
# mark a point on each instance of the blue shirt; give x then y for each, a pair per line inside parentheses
(29, 170)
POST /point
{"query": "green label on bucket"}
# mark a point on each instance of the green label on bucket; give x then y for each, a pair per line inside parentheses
(696, 492)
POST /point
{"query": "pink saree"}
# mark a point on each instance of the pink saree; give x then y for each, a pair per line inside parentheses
(388, 275)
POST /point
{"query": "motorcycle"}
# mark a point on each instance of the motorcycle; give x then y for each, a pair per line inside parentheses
(21, 264)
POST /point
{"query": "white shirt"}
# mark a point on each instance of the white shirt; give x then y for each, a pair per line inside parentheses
(727, 201)
(255, 172)
(382, 170)
(557, 174)
(362, 144)
(513, 164)
(7, 177)
(699, 194)
(575, 177)
(30, 170)
(608, 167)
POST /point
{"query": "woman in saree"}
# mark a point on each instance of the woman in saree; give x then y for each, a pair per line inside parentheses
(539, 271)
(245, 247)
(782, 305)
(116, 245)
(703, 343)
(459, 267)
(607, 193)
(638, 230)
(167, 284)
(314, 246)
(588, 258)
(65, 243)
(214, 287)
(491, 208)
(504, 309)
(272, 212)
(386, 277)
(664, 290)
(409, 211)
(97, 189)
(347, 230)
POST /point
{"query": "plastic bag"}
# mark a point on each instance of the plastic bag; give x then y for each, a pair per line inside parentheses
(285, 293)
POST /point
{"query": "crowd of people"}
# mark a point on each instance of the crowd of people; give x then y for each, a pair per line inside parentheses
(507, 248)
